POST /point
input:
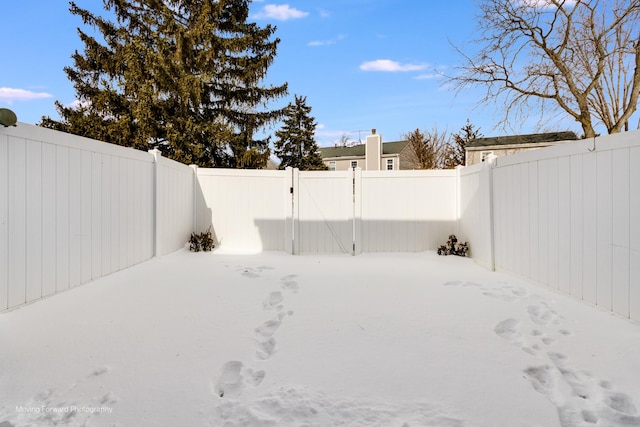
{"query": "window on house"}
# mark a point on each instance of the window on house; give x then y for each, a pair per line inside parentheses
(485, 154)
(389, 164)
(354, 164)
(332, 166)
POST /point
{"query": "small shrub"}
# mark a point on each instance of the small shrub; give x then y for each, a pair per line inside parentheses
(201, 242)
(452, 247)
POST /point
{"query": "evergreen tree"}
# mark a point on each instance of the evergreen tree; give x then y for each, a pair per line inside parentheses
(295, 144)
(467, 133)
(180, 75)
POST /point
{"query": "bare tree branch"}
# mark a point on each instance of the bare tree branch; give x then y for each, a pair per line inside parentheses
(581, 57)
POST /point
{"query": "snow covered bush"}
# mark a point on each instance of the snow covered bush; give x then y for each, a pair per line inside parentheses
(201, 242)
(452, 247)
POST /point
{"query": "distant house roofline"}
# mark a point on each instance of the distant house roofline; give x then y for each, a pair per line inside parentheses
(528, 139)
(388, 148)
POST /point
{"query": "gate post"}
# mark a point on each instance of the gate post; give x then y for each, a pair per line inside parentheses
(295, 210)
(357, 211)
(156, 154)
(291, 226)
(490, 165)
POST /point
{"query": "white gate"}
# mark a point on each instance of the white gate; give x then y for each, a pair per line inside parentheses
(323, 212)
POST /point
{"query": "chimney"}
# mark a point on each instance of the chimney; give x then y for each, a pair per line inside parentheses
(373, 151)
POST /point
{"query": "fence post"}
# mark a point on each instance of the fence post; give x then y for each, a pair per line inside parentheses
(458, 199)
(295, 213)
(357, 211)
(156, 202)
(288, 209)
(196, 183)
(491, 164)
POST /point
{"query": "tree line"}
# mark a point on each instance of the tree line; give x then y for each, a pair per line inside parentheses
(187, 77)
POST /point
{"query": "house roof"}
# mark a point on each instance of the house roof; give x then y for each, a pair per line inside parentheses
(359, 150)
(535, 138)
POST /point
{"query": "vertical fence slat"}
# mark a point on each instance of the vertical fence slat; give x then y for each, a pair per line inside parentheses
(114, 217)
(75, 217)
(589, 228)
(634, 234)
(33, 172)
(17, 263)
(553, 218)
(576, 220)
(85, 216)
(604, 227)
(96, 221)
(534, 221)
(105, 215)
(620, 233)
(564, 224)
(4, 222)
(63, 228)
(49, 213)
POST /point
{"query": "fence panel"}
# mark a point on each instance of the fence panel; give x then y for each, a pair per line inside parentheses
(246, 209)
(407, 211)
(584, 211)
(71, 210)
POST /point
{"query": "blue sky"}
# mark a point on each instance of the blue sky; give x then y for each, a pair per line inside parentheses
(362, 64)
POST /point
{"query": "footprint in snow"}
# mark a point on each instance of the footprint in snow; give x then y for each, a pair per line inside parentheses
(289, 283)
(250, 273)
(272, 300)
(509, 330)
(543, 314)
(460, 282)
(268, 328)
(232, 377)
(264, 349)
(580, 397)
(453, 283)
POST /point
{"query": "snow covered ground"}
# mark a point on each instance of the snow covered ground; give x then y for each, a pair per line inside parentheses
(214, 339)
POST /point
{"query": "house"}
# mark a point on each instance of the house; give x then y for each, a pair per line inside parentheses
(478, 149)
(372, 155)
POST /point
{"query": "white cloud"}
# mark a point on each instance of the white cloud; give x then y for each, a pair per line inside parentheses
(388, 65)
(281, 12)
(329, 42)
(9, 95)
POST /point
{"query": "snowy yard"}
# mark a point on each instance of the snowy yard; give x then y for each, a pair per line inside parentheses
(214, 339)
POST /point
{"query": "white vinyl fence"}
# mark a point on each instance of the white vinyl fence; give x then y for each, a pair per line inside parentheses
(73, 210)
(567, 217)
(303, 212)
